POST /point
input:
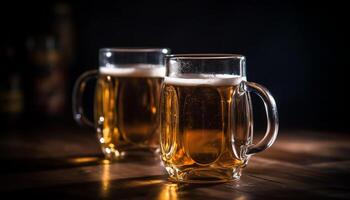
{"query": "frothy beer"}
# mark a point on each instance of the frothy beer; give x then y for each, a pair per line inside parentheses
(126, 111)
(200, 117)
(138, 70)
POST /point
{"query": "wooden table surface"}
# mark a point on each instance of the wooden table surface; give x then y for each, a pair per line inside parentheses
(59, 163)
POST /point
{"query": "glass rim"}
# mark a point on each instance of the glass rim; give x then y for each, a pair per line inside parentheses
(205, 56)
(135, 49)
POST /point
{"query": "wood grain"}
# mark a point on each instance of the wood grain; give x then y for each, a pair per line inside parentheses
(67, 163)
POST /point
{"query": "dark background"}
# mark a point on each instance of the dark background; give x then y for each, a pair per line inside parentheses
(296, 49)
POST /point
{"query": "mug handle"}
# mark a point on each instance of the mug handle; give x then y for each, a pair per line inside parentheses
(77, 98)
(271, 115)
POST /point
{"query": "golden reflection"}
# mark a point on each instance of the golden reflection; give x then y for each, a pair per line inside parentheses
(105, 178)
(143, 183)
(106, 162)
(168, 192)
(243, 197)
(82, 160)
(153, 110)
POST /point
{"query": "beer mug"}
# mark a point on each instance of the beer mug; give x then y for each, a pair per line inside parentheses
(127, 94)
(206, 118)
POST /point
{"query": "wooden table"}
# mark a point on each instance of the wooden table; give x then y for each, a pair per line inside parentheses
(61, 163)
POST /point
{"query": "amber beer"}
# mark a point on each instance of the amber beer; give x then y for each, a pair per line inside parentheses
(200, 117)
(126, 107)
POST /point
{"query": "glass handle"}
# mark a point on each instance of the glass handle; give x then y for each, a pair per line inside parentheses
(272, 118)
(77, 98)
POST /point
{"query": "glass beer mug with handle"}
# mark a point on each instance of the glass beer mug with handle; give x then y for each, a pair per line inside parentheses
(127, 94)
(206, 117)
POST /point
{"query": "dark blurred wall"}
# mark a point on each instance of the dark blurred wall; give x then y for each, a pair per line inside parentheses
(295, 49)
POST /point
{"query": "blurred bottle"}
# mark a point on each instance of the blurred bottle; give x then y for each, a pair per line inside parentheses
(50, 54)
(11, 91)
(63, 29)
(48, 76)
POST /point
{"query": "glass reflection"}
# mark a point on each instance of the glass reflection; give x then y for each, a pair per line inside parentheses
(105, 178)
(142, 183)
(168, 192)
(84, 160)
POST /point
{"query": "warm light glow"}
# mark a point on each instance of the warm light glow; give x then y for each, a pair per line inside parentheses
(168, 192)
(241, 197)
(105, 178)
(144, 183)
(102, 140)
(106, 161)
(81, 160)
(324, 148)
(153, 110)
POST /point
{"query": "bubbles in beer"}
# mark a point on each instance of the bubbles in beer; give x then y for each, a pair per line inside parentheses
(204, 123)
(127, 98)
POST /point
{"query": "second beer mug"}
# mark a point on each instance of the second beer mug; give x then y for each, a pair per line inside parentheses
(126, 99)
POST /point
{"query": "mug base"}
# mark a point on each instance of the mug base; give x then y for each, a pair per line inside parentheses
(204, 175)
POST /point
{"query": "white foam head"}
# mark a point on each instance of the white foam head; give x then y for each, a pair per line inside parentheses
(205, 79)
(134, 70)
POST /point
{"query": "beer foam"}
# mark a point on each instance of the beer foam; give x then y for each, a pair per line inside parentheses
(205, 79)
(134, 70)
